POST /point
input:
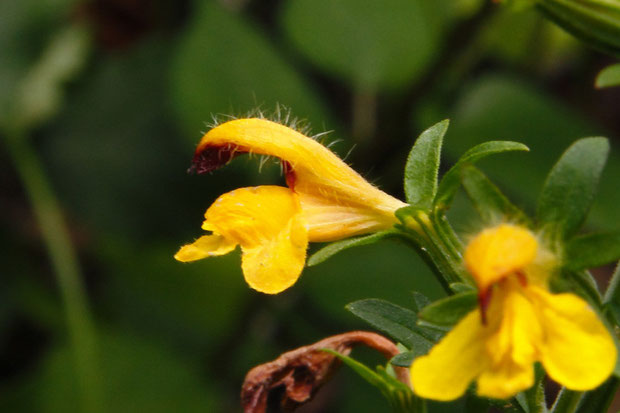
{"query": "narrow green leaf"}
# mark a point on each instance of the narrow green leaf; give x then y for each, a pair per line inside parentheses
(533, 399)
(592, 250)
(448, 311)
(461, 287)
(397, 322)
(612, 296)
(599, 399)
(488, 200)
(420, 301)
(336, 247)
(570, 187)
(593, 21)
(404, 359)
(451, 180)
(608, 77)
(398, 394)
(581, 282)
(363, 371)
(423, 166)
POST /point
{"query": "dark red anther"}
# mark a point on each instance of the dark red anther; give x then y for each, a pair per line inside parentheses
(484, 298)
(289, 175)
(210, 158)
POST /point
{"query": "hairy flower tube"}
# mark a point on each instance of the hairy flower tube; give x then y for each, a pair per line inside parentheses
(518, 322)
(325, 200)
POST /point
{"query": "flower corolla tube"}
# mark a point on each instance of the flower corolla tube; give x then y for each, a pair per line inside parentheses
(518, 322)
(325, 200)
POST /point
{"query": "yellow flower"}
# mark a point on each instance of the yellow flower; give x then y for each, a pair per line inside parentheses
(519, 322)
(325, 200)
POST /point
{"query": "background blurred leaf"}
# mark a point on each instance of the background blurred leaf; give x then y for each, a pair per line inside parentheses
(383, 44)
(25, 30)
(608, 77)
(137, 375)
(40, 93)
(570, 186)
(225, 65)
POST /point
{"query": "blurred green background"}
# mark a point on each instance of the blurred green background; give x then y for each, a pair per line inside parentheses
(115, 141)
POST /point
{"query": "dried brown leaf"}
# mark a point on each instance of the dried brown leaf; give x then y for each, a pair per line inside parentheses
(299, 373)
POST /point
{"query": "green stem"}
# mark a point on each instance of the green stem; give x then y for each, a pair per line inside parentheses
(63, 258)
(567, 401)
(443, 257)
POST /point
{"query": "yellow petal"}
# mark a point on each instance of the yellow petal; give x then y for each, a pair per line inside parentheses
(512, 347)
(329, 221)
(505, 380)
(451, 365)
(579, 351)
(275, 265)
(498, 252)
(316, 169)
(267, 223)
(205, 246)
(252, 216)
(517, 328)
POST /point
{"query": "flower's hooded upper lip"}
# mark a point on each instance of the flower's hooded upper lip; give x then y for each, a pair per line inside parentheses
(314, 169)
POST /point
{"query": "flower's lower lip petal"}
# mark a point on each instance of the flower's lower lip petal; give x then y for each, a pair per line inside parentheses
(274, 266)
(203, 247)
(505, 380)
(579, 351)
(447, 370)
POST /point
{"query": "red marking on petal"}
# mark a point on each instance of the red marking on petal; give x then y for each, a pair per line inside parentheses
(289, 175)
(484, 298)
(522, 278)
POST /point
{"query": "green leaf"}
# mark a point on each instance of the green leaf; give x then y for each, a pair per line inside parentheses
(593, 21)
(221, 44)
(399, 395)
(608, 77)
(519, 111)
(461, 287)
(451, 180)
(383, 44)
(397, 322)
(488, 200)
(612, 296)
(581, 282)
(423, 166)
(569, 188)
(448, 311)
(404, 359)
(592, 250)
(363, 371)
(599, 399)
(533, 399)
(40, 95)
(420, 301)
(336, 247)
